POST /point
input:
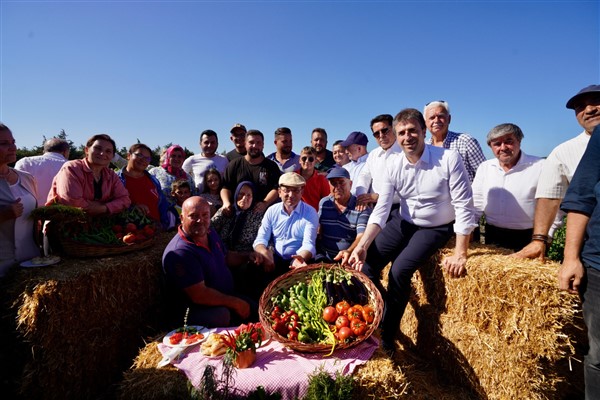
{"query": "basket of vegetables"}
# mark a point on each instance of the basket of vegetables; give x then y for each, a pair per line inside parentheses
(320, 308)
(73, 233)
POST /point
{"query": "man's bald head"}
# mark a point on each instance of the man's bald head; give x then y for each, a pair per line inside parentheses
(56, 145)
(195, 218)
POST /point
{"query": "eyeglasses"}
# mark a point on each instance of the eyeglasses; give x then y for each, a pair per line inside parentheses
(286, 190)
(143, 157)
(304, 158)
(381, 132)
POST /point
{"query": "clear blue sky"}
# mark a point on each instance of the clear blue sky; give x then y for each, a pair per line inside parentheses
(163, 71)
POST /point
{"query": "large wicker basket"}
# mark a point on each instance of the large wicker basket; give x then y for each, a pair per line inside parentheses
(304, 274)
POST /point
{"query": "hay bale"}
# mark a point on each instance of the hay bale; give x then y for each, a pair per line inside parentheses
(83, 320)
(503, 331)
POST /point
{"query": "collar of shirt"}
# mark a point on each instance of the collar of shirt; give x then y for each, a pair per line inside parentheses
(55, 156)
(187, 238)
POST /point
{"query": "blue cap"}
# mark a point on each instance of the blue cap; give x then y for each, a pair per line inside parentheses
(355, 138)
(589, 89)
(338, 172)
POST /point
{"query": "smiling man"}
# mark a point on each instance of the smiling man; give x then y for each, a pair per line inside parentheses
(291, 227)
(208, 158)
(504, 189)
(370, 178)
(435, 202)
(197, 275)
(558, 170)
(437, 119)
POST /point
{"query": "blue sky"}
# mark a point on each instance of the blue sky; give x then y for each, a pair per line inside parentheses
(163, 71)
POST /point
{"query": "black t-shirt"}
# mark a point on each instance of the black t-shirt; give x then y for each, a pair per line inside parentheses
(265, 176)
(327, 163)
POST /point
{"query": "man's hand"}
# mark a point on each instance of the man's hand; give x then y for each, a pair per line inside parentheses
(298, 262)
(366, 200)
(96, 208)
(570, 275)
(241, 308)
(261, 207)
(535, 249)
(455, 265)
(343, 255)
(357, 258)
(256, 258)
(227, 210)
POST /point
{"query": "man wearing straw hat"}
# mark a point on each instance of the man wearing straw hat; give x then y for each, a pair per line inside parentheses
(435, 202)
(196, 272)
(286, 237)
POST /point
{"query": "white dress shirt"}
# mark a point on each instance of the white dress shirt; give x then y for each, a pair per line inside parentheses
(434, 191)
(355, 168)
(371, 179)
(560, 166)
(43, 168)
(507, 198)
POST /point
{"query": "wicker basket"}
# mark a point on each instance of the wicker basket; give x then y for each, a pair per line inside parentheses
(288, 280)
(83, 250)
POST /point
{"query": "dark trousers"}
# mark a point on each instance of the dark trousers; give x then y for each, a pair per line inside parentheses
(407, 246)
(591, 316)
(514, 239)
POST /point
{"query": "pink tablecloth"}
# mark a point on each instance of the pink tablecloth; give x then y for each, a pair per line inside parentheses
(277, 368)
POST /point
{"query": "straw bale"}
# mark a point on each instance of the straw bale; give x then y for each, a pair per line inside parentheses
(503, 331)
(83, 320)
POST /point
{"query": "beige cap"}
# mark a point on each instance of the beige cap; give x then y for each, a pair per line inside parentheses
(291, 179)
(238, 126)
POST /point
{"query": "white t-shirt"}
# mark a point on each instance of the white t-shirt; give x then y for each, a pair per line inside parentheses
(197, 165)
(43, 168)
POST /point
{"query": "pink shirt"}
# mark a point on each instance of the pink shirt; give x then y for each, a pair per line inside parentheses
(74, 186)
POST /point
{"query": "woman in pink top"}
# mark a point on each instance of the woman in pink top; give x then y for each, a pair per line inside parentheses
(89, 183)
(317, 185)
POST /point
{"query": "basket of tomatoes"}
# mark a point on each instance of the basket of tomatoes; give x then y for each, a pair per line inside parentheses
(73, 233)
(321, 308)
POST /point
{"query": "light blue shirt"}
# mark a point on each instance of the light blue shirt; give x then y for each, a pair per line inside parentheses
(289, 233)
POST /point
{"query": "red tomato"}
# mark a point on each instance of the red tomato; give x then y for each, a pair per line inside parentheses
(344, 333)
(148, 231)
(276, 312)
(342, 307)
(358, 327)
(354, 313)
(130, 227)
(330, 314)
(292, 335)
(176, 338)
(342, 321)
(368, 314)
(129, 238)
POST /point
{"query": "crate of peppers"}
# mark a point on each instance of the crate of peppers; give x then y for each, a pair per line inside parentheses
(321, 308)
(73, 233)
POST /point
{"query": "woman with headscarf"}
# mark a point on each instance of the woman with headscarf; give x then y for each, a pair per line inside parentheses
(17, 199)
(238, 233)
(170, 170)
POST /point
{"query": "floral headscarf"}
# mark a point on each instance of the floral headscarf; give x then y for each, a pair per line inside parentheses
(178, 173)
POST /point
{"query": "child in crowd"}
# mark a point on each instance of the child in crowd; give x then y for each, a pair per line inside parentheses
(213, 182)
(180, 191)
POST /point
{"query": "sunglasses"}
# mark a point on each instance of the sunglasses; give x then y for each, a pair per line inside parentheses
(381, 132)
(304, 158)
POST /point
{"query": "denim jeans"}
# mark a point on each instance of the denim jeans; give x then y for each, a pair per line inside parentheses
(591, 316)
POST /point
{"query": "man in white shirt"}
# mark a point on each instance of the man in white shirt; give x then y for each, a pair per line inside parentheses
(370, 180)
(504, 189)
(208, 158)
(435, 202)
(356, 147)
(45, 167)
(557, 171)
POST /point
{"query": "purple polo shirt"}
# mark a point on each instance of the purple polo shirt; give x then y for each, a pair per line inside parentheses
(186, 263)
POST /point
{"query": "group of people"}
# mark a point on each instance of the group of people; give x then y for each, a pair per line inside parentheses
(245, 218)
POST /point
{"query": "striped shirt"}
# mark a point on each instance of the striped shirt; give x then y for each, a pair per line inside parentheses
(339, 230)
(468, 148)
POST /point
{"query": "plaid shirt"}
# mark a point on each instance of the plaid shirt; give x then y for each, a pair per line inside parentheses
(468, 148)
